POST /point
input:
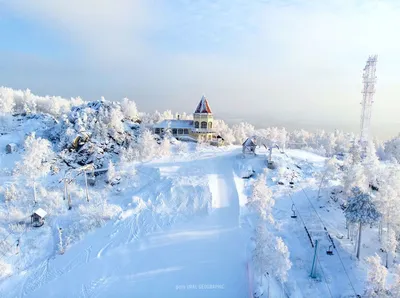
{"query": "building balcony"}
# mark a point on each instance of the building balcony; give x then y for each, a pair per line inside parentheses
(203, 130)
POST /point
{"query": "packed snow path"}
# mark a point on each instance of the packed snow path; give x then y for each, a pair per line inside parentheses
(202, 257)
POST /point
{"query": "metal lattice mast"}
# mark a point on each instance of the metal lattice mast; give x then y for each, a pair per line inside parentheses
(369, 80)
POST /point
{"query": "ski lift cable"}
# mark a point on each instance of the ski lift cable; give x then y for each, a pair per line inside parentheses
(301, 218)
(323, 274)
(333, 244)
(337, 252)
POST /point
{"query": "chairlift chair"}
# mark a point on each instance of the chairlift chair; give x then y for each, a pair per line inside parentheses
(294, 212)
(329, 252)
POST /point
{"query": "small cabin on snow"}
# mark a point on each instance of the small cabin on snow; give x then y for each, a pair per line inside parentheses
(37, 218)
(249, 146)
(10, 148)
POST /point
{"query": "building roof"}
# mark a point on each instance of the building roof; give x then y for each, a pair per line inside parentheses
(40, 212)
(250, 142)
(203, 107)
(174, 124)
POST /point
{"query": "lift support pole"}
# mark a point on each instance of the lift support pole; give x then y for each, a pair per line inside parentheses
(314, 264)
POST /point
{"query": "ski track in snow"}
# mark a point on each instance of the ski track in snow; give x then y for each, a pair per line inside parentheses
(43, 274)
(143, 246)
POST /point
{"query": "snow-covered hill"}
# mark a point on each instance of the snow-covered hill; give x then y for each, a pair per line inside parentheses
(165, 218)
(182, 230)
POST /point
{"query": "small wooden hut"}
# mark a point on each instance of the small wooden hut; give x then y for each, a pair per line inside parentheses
(10, 148)
(37, 218)
(249, 146)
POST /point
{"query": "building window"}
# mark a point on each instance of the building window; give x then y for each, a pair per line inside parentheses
(203, 124)
(186, 131)
(157, 131)
(209, 124)
(174, 131)
(196, 124)
(180, 131)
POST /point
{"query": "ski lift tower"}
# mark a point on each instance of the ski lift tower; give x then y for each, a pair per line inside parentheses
(369, 80)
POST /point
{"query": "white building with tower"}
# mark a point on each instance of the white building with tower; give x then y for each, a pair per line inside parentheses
(201, 127)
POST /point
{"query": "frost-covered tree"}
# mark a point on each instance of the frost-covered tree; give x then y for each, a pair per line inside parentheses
(328, 174)
(242, 131)
(376, 279)
(392, 149)
(7, 102)
(387, 200)
(355, 177)
(389, 244)
(395, 286)
(270, 255)
(129, 109)
(261, 200)
(147, 145)
(111, 173)
(361, 210)
(371, 165)
(281, 260)
(222, 129)
(165, 147)
(263, 250)
(11, 193)
(355, 153)
(36, 160)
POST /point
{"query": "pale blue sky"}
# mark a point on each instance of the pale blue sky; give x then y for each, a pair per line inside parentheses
(295, 63)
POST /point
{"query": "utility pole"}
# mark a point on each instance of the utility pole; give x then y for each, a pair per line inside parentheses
(34, 193)
(60, 244)
(86, 184)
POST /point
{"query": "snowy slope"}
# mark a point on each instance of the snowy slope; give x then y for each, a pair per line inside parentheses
(201, 257)
(183, 230)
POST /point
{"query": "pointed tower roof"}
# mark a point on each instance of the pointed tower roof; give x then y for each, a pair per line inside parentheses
(203, 107)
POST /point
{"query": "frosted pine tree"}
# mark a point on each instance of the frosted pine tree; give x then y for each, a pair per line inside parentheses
(281, 261)
(355, 177)
(329, 173)
(361, 210)
(261, 200)
(376, 279)
(371, 165)
(165, 147)
(389, 244)
(36, 160)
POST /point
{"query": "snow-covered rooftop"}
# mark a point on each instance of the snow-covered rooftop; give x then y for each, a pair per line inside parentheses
(203, 106)
(174, 124)
(250, 142)
(41, 212)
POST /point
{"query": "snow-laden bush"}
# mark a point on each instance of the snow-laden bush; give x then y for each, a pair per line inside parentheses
(95, 214)
(5, 269)
(182, 147)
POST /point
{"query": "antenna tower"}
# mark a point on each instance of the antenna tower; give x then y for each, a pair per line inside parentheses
(369, 80)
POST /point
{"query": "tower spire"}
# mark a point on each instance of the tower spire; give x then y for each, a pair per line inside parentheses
(369, 80)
